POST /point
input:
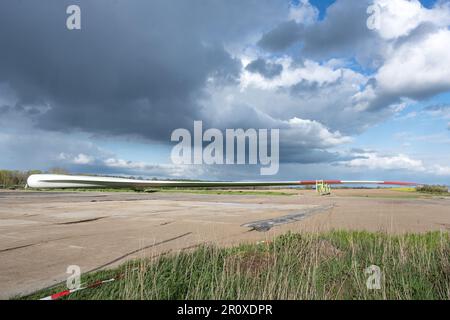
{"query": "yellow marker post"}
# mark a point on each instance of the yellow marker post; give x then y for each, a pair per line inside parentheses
(323, 188)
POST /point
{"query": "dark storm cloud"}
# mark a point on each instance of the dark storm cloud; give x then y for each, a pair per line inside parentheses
(136, 67)
(343, 32)
(305, 88)
(282, 37)
(266, 69)
(296, 154)
(5, 109)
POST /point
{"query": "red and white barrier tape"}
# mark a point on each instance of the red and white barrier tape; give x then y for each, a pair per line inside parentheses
(64, 293)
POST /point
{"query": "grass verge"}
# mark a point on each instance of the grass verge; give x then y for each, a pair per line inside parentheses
(231, 192)
(292, 266)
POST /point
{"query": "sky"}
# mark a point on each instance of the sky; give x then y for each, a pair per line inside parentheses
(352, 100)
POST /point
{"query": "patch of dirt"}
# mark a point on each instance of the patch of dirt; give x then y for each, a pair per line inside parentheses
(252, 263)
(445, 225)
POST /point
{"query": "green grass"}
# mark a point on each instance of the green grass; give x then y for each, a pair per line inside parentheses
(403, 193)
(231, 192)
(406, 196)
(425, 190)
(292, 266)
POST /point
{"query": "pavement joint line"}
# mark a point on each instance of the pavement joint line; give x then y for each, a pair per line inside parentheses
(138, 250)
(34, 244)
(80, 221)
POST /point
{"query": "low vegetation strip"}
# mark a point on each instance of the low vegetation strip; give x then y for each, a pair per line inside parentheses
(261, 192)
(333, 265)
(433, 189)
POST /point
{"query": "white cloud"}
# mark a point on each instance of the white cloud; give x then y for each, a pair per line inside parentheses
(83, 159)
(399, 17)
(412, 66)
(149, 169)
(304, 13)
(374, 161)
(314, 134)
(125, 164)
(418, 68)
(310, 71)
(440, 170)
(415, 70)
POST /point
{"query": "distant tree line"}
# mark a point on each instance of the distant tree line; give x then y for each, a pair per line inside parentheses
(10, 179)
(432, 189)
(14, 178)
